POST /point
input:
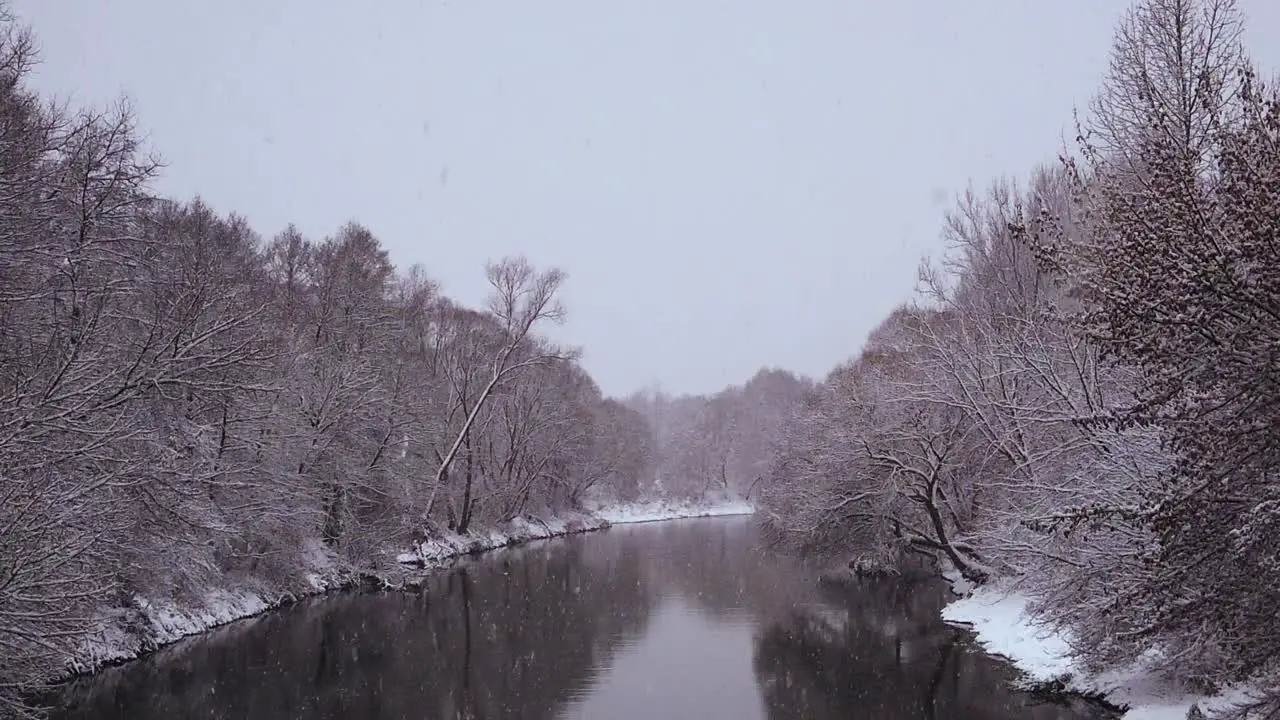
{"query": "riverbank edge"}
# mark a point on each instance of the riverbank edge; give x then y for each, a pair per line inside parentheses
(166, 623)
(999, 618)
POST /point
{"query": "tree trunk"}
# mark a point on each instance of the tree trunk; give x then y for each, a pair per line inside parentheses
(967, 568)
(464, 516)
(333, 509)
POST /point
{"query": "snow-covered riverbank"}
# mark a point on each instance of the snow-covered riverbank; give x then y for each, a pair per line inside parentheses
(152, 622)
(998, 617)
(524, 529)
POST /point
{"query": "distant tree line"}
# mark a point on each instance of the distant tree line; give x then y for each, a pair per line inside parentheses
(719, 446)
(1086, 394)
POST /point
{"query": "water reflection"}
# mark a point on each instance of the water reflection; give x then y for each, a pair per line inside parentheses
(880, 653)
(673, 620)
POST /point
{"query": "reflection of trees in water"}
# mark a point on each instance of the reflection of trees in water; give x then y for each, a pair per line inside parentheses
(880, 652)
(518, 636)
(719, 568)
(521, 632)
(513, 636)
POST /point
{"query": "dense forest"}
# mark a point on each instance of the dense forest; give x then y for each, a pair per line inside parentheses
(1086, 394)
(187, 405)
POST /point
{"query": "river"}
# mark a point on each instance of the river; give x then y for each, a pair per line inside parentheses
(682, 619)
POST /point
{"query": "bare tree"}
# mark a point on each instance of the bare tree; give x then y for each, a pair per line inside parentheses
(521, 299)
(72, 187)
(1174, 72)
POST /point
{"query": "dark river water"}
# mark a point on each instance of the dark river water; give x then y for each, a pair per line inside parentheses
(685, 619)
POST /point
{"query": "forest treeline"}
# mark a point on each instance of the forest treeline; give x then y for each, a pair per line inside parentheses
(1084, 396)
(1086, 393)
(188, 406)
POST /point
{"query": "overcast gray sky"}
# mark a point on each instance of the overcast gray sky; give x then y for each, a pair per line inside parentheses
(729, 183)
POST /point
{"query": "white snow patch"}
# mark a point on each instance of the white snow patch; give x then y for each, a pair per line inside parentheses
(110, 643)
(1004, 628)
(959, 584)
(1159, 702)
(162, 621)
(439, 550)
(219, 607)
(670, 510)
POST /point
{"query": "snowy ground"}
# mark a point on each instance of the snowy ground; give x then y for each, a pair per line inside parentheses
(160, 622)
(150, 623)
(438, 550)
(649, 512)
(999, 619)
